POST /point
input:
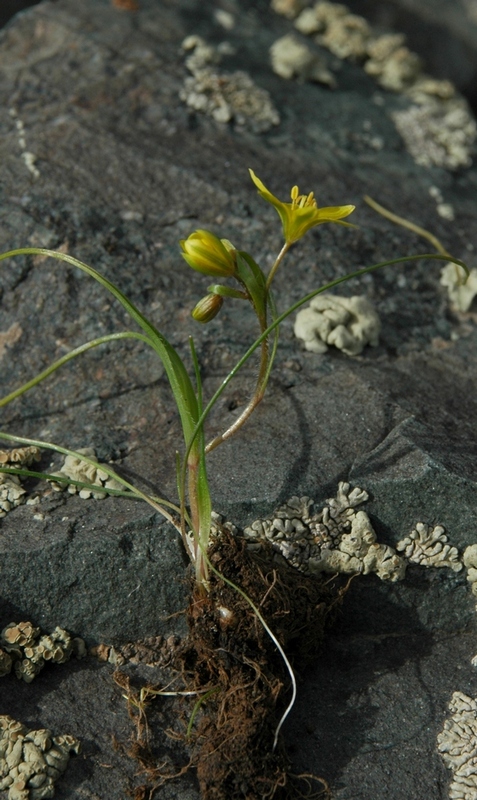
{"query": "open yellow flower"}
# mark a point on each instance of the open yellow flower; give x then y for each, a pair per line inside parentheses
(302, 213)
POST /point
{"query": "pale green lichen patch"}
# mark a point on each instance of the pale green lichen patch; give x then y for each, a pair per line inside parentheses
(292, 58)
(336, 539)
(12, 493)
(288, 8)
(347, 323)
(438, 127)
(23, 647)
(78, 470)
(461, 294)
(470, 563)
(440, 134)
(31, 761)
(226, 97)
(457, 744)
(428, 545)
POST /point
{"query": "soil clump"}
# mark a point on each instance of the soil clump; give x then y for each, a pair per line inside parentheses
(230, 661)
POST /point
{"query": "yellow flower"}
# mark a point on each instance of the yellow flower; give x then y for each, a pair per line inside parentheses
(205, 253)
(207, 308)
(302, 213)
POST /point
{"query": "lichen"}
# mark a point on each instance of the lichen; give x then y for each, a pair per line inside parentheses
(12, 493)
(348, 323)
(457, 744)
(288, 8)
(19, 456)
(428, 546)
(438, 133)
(291, 58)
(336, 539)
(469, 560)
(31, 761)
(437, 128)
(461, 294)
(391, 63)
(344, 34)
(154, 651)
(78, 470)
(24, 647)
(226, 97)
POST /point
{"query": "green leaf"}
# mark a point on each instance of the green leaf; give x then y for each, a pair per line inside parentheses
(68, 357)
(253, 278)
(179, 380)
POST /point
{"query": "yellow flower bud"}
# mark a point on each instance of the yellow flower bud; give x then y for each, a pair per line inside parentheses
(207, 308)
(208, 254)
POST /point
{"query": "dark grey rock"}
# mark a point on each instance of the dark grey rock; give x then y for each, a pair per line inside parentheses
(101, 572)
(125, 171)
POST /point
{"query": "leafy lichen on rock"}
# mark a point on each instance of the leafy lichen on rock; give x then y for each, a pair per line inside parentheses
(23, 646)
(428, 545)
(291, 58)
(31, 761)
(470, 563)
(78, 470)
(336, 539)
(437, 133)
(12, 493)
(226, 97)
(348, 323)
(461, 294)
(391, 63)
(288, 8)
(457, 744)
(438, 127)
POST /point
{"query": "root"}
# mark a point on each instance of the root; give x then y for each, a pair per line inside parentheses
(238, 678)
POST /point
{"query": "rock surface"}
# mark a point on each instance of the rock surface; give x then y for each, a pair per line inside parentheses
(120, 170)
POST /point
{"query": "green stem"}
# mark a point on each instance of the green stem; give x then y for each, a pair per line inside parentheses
(277, 263)
(407, 224)
(264, 368)
(278, 320)
(257, 397)
(64, 360)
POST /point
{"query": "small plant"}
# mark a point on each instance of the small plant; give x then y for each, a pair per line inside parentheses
(226, 688)
(216, 258)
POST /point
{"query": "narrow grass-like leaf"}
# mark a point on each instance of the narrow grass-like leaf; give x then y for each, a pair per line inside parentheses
(68, 357)
(176, 372)
(45, 476)
(197, 706)
(159, 504)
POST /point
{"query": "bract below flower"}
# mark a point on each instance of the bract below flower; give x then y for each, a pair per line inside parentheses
(208, 254)
(302, 213)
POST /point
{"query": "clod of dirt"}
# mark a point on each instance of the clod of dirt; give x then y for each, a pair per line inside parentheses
(230, 661)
